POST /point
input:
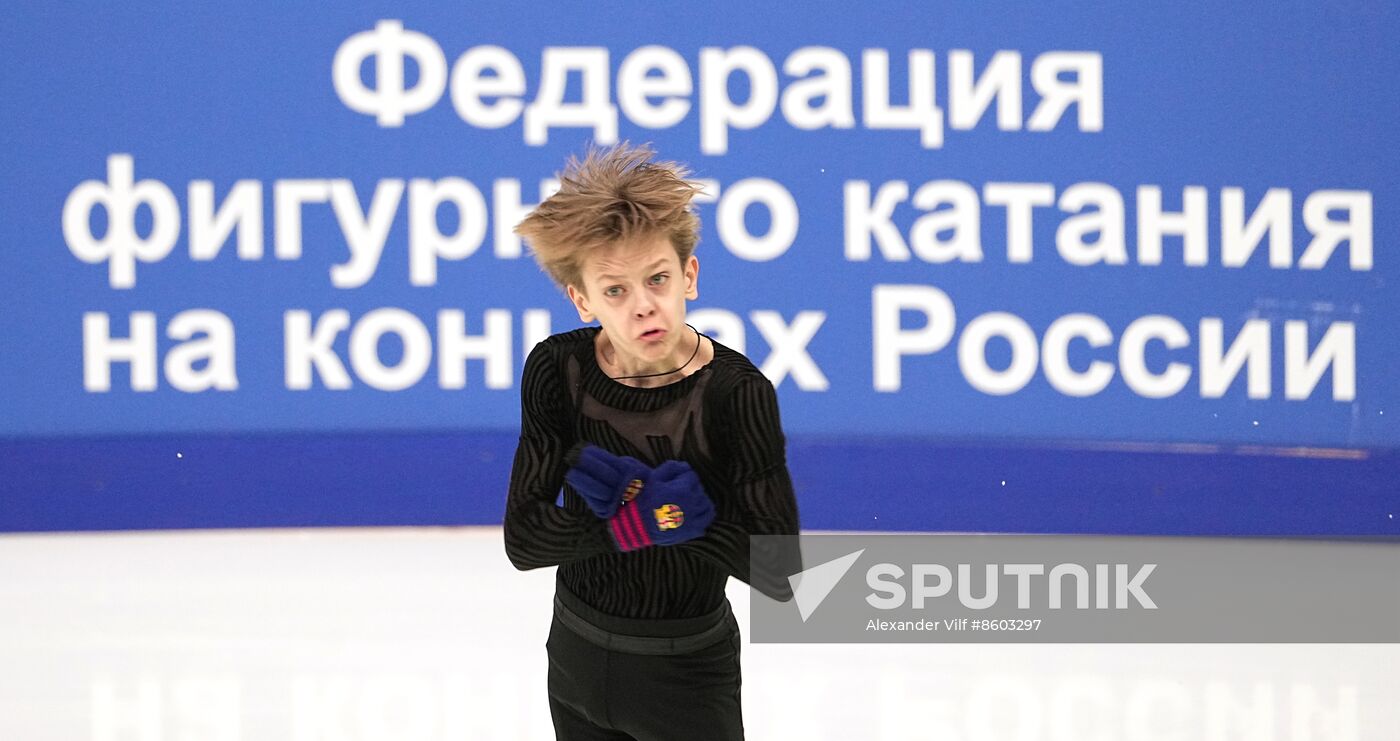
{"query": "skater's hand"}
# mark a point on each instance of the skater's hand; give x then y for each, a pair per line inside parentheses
(605, 480)
(670, 508)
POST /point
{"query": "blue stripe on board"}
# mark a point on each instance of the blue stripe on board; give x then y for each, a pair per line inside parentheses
(378, 479)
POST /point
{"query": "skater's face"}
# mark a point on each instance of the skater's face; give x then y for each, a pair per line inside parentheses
(637, 292)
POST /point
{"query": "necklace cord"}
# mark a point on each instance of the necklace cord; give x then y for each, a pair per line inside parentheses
(667, 373)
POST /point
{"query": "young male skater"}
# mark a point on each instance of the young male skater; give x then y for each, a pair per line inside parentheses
(670, 452)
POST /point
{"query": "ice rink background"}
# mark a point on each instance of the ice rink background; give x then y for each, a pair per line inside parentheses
(431, 635)
(158, 582)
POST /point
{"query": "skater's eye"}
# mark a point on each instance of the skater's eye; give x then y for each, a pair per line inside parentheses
(613, 291)
(659, 278)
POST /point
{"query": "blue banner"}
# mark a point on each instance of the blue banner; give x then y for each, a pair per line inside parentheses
(971, 224)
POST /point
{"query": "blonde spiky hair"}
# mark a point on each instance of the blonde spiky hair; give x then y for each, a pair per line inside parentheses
(614, 195)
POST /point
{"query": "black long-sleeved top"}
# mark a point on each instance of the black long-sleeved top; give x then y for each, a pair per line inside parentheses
(722, 420)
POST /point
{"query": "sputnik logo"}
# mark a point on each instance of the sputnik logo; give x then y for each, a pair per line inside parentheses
(810, 587)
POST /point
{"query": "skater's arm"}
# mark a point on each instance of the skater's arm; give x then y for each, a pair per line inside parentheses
(759, 498)
(538, 532)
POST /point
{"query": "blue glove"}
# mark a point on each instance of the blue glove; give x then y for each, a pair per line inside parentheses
(671, 508)
(605, 480)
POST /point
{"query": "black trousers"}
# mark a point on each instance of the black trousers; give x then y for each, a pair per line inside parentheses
(612, 694)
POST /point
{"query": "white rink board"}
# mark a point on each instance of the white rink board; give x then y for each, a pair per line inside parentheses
(431, 635)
